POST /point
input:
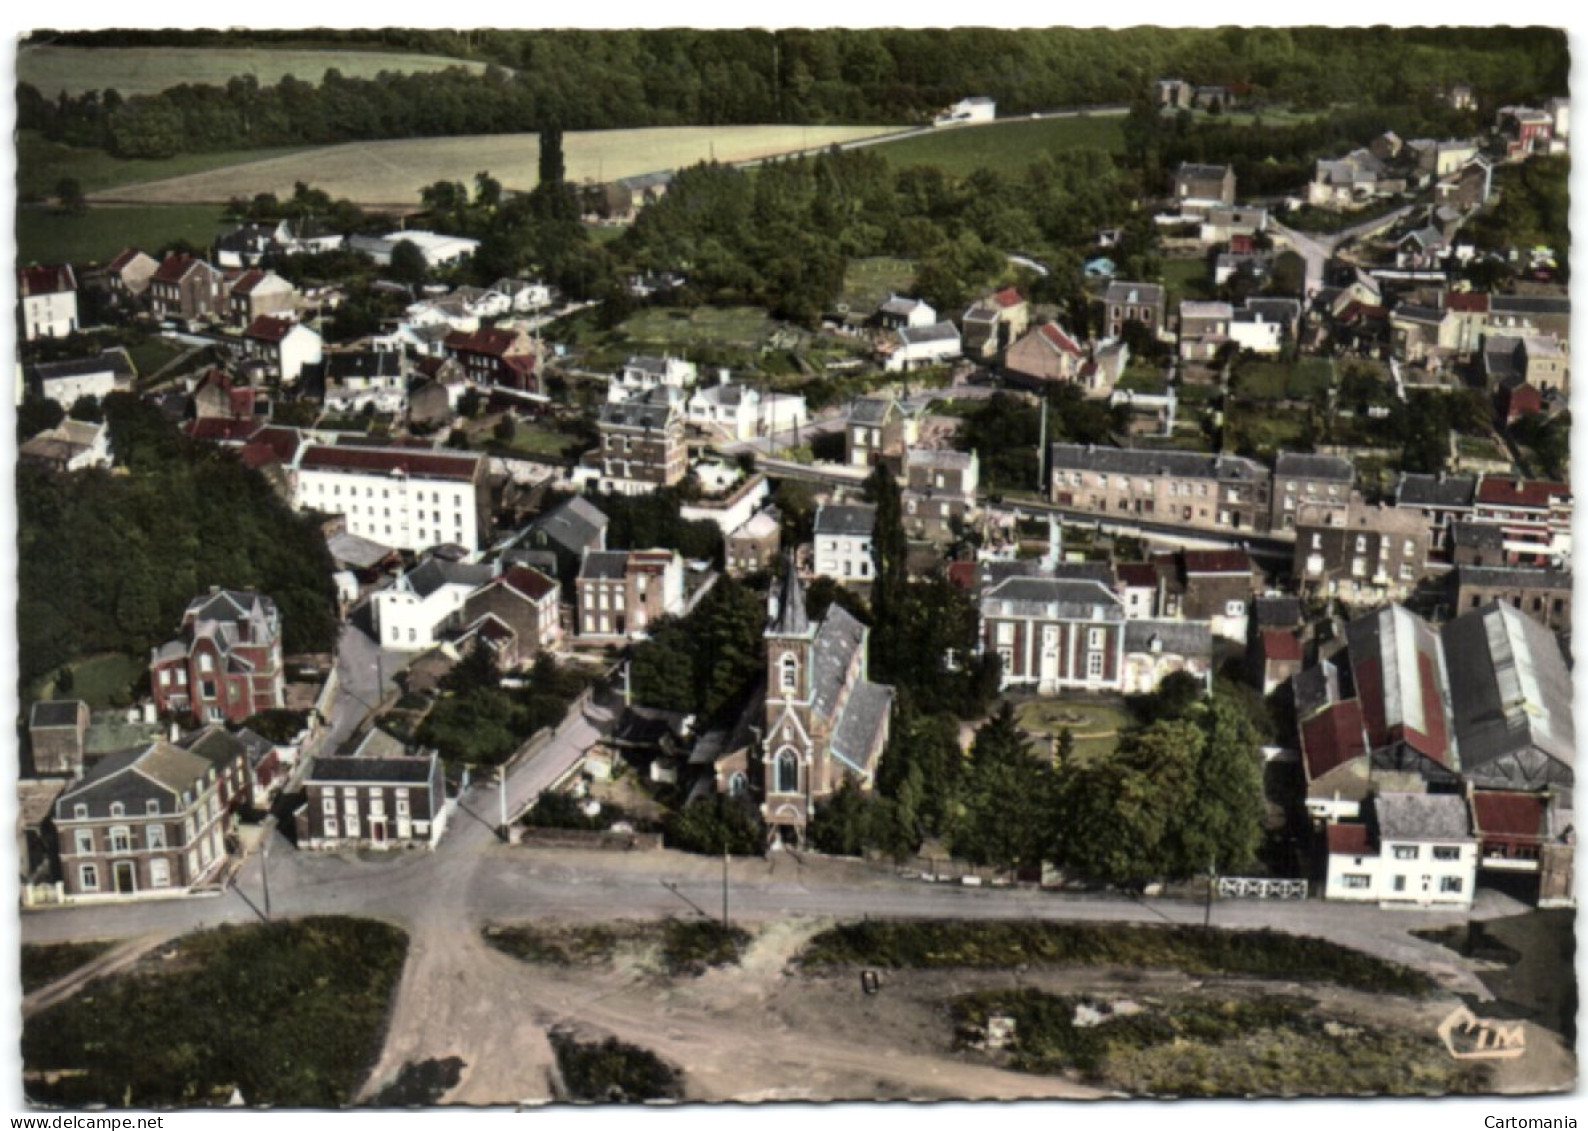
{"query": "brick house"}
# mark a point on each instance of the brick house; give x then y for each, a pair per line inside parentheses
(1379, 554)
(494, 356)
(380, 796)
(151, 820)
(1320, 484)
(1211, 492)
(939, 491)
(754, 546)
(185, 286)
(1534, 517)
(256, 293)
(526, 601)
(620, 592)
(226, 660)
(48, 301)
(1542, 594)
(56, 730)
(1142, 303)
(1054, 633)
(876, 430)
(642, 442)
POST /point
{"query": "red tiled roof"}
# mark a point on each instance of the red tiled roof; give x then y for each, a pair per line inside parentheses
(1217, 561)
(175, 266)
(1009, 296)
(1137, 575)
(1057, 337)
(407, 461)
(246, 283)
(1332, 738)
(1349, 840)
(271, 444)
(1354, 310)
(1281, 645)
(50, 279)
(1523, 400)
(486, 340)
(1242, 244)
(962, 574)
(126, 256)
(1529, 493)
(1467, 302)
(268, 329)
(222, 430)
(530, 582)
(1520, 815)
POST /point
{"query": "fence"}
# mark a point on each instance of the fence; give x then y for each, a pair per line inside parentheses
(1247, 887)
(598, 839)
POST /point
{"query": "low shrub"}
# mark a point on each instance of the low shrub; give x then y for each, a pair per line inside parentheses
(612, 1071)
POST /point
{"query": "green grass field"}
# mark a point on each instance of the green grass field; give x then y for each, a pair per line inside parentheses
(149, 70)
(1276, 380)
(743, 326)
(1186, 279)
(869, 282)
(1006, 147)
(1096, 726)
(44, 236)
(100, 681)
(41, 164)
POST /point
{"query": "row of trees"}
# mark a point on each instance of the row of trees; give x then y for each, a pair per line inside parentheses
(611, 79)
(107, 563)
(1182, 793)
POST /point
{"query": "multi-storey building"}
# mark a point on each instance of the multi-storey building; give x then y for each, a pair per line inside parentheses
(380, 796)
(525, 601)
(184, 286)
(1142, 303)
(417, 610)
(257, 293)
(405, 498)
(842, 537)
(1211, 492)
(643, 445)
(1203, 184)
(48, 301)
(226, 660)
(282, 347)
(876, 429)
(1442, 500)
(1417, 848)
(1055, 633)
(1534, 517)
(622, 592)
(497, 356)
(151, 820)
(1542, 594)
(940, 490)
(1321, 484)
(1378, 553)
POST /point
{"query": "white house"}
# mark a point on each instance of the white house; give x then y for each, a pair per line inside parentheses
(72, 445)
(743, 412)
(915, 347)
(405, 498)
(1250, 330)
(642, 374)
(285, 347)
(978, 109)
(449, 311)
(371, 379)
(843, 541)
(1418, 849)
(49, 301)
(419, 607)
(526, 295)
(901, 311)
(65, 382)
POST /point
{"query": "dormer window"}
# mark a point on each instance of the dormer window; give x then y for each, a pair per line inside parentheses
(117, 809)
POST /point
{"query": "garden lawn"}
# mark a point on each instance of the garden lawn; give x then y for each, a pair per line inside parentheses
(1096, 726)
(95, 236)
(289, 1014)
(1303, 379)
(100, 681)
(1186, 279)
(1007, 146)
(743, 326)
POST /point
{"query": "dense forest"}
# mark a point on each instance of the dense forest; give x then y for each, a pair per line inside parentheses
(108, 562)
(614, 79)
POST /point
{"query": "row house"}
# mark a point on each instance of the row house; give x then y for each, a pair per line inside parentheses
(147, 821)
(877, 429)
(1209, 492)
(379, 797)
(281, 347)
(620, 593)
(1378, 554)
(995, 322)
(1321, 484)
(418, 609)
(497, 356)
(1548, 314)
(48, 301)
(842, 541)
(405, 498)
(126, 278)
(1054, 634)
(255, 294)
(1441, 500)
(1141, 303)
(1414, 849)
(186, 287)
(225, 662)
(643, 444)
(1534, 517)
(939, 491)
(365, 380)
(1542, 594)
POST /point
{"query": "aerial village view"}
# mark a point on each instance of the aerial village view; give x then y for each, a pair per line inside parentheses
(662, 566)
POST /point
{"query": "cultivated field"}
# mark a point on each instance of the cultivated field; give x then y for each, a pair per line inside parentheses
(1005, 146)
(149, 70)
(45, 236)
(393, 172)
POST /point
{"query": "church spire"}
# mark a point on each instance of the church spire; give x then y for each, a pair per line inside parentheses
(788, 610)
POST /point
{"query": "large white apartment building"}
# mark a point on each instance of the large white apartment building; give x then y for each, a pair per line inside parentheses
(404, 498)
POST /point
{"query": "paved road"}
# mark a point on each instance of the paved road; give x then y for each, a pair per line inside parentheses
(1316, 250)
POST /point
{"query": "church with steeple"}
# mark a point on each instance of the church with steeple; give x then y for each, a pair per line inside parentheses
(824, 720)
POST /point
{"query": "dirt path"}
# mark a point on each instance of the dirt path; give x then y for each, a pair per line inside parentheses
(118, 957)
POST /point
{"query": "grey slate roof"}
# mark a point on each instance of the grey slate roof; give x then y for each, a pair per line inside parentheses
(1515, 577)
(1142, 461)
(115, 360)
(1051, 597)
(650, 410)
(1315, 688)
(1422, 816)
(1529, 304)
(1176, 637)
(1411, 312)
(604, 565)
(871, 410)
(355, 551)
(574, 525)
(837, 640)
(363, 363)
(1100, 572)
(1135, 293)
(1278, 612)
(1477, 536)
(361, 769)
(1436, 491)
(1297, 465)
(936, 332)
(433, 573)
(845, 518)
(53, 713)
(898, 304)
(938, 457)
(1509, 687)
(855, 737)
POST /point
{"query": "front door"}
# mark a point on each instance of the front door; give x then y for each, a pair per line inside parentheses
(377, 832)
(126, 877)
(1049, 674)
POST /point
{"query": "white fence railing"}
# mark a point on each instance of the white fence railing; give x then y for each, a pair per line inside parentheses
(1247, 887)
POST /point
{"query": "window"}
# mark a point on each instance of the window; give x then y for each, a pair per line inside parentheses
(788, 772)
(402, 805)
(738, 785)
(88, 877)
(80, 812)
(1005, 633)
(165, 679)
(1235, 608)
(1361, 544)
(159, 873)
(1405, 852)
(1094, 665)
(1446, 852)
(1095, 638)
(351, 820)
(1354, 882)
(788, 672)
(85, 842)
(330, 825)
(1450, 884)
(1400, 883)
(328, 805)
(151, 806)
(206, 662)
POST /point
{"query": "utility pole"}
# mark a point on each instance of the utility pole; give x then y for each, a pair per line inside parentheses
(1207, 914)
(1042, 448)
(724, 887)
(264, 871)
(501, 797)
